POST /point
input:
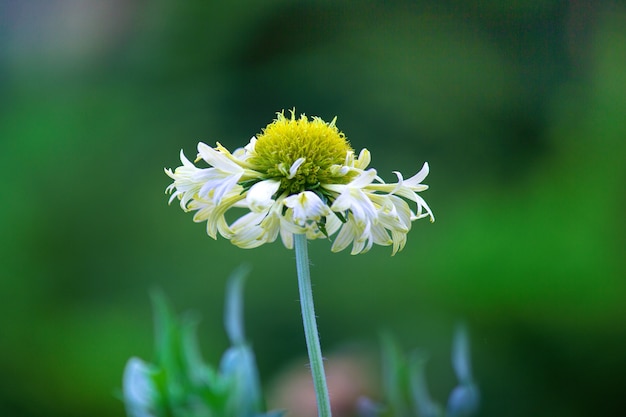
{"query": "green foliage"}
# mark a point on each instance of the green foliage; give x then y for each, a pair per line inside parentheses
(180, 383)
(405, 388)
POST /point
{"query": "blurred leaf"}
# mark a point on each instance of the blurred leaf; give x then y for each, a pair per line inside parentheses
(424, 405)
(406, 390)
(233, 314)
(464, 399)
(395, 374)
(140, 391)
(180, 383)
(461, 355)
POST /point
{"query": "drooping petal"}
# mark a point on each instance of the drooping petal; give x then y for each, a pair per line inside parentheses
(421, 204)
(307, 206)
(355, 200)
(281, 223)
(220, 159)
(259, 197)
(355, 232)
(247, 231)
(185, 184)
(346, 235)
(380, 236)
(213, 214)
(332, 224)
(216, 183)
(223, 175)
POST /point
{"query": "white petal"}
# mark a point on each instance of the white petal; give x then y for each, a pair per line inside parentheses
(214, 214)
(259, 196)
(346, 235)
(293, 170)
(307, 206)
(244, 153)
(287, 238)
(250, 146)
(380, 236)
(186, 183)
(363, 160)
(349, 161)
(357, 202)
(218, 159)
(332, 224)
(247, 231)
(421, 203)
(216, 183)
(416, 179)
(339, 170)
(365, 178)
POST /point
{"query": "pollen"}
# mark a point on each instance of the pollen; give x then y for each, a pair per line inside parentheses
(308, 146)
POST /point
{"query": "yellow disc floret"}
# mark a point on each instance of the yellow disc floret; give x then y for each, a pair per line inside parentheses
(300, 153)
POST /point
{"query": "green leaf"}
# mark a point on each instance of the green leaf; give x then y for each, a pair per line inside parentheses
(233, 311)
(180, 383)
(422, 402)
(394, 376)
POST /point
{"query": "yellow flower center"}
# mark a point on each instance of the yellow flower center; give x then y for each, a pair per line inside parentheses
(285, 141)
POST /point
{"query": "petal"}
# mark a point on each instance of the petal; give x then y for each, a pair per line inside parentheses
(213, 157)
(214, 215)
(244, 153)
(307, 206)
(357, 233)
(332, 224)
(346, 235)
(416, 179)
(380, 236)
(217, 183)
(247, 231)
(339, 170)
(357, 202)
(259, 196)
(286, 238)
(186, 183)
(365, 178)
(363, 160)
(421, 203)
(293, 170)
(349, 161)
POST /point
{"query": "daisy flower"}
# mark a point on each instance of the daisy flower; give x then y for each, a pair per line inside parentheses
(299, 176)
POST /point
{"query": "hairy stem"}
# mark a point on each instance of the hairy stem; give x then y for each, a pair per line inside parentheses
(310, 326)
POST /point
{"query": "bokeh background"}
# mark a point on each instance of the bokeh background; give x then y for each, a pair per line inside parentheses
(518, 106)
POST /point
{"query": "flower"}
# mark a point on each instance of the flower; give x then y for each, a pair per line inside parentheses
(298, 176)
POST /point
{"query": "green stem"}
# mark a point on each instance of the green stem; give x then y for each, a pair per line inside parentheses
(310, 326)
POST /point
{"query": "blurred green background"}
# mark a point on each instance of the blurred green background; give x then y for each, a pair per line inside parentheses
(519, 107)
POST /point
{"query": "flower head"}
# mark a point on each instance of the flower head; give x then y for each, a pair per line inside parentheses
(298, 176)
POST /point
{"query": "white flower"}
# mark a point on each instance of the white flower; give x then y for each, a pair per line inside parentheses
(299, 176)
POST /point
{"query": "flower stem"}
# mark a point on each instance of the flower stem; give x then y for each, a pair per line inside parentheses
(310, 326)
